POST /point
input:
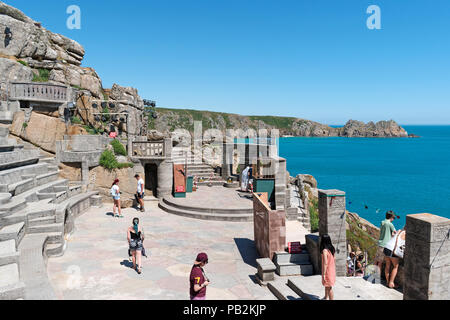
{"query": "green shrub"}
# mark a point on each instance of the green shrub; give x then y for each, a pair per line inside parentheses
(22, 63)
(314, 215)
(76, 120)
(119, 149)
(25, 125)
(109, 161)
(91, 130)
(42, 77)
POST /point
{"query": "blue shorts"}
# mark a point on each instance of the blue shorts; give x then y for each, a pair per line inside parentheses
(116, 198)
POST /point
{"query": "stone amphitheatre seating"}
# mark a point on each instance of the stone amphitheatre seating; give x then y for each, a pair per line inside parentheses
(37, 210)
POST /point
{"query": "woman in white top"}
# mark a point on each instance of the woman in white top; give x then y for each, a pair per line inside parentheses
(393, 252)
(115, 192)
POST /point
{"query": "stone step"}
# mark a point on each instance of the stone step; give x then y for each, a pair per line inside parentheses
(13, 292)
(285, 257)
(9, 274)
(8, 253)
(14, 232)
(46, 228)
(214, 183)
(54, 249)
(48, 160)
(45, 212)
(5, 198)
(14, 218)
(205, 209)
(206, 216)
(293, 269)
(14, 205)
(282, 291)
(54, 237)
(41, 221)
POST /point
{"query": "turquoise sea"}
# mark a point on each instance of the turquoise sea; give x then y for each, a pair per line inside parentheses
(400, 174)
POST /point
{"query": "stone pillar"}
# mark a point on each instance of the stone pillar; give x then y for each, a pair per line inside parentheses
(279, 165)
(332, 218)
(85, 171)
(227, 160)
(427, 258)
(165, 178)
(168, 148)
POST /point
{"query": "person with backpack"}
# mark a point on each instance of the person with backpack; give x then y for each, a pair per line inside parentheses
(198, 279)
(327, 251)
(115, 193)
(393, 251)
(135, 237)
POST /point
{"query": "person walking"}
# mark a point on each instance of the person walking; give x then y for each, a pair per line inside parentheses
(198, 279)
(140, 194)
(135, 236)
(393, 251)
(327, 251)
(115, 192)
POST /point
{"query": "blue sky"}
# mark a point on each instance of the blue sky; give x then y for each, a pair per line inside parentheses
(303, 58)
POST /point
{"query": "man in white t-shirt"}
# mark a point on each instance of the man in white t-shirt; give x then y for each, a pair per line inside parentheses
(140, 191)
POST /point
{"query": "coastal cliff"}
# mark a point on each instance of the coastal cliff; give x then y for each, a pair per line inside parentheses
(171, 119)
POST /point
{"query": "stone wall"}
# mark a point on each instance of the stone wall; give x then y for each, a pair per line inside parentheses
(427, 258)
(269, 228)
(332, 219)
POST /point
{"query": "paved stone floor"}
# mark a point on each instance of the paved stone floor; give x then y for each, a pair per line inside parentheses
(216, 197)
(95, 265)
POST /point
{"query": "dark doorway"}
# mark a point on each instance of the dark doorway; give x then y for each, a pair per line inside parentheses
(151, 179)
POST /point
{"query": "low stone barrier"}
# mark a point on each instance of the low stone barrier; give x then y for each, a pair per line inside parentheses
(269, 227)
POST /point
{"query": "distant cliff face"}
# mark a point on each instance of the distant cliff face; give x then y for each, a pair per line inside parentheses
(171, 119)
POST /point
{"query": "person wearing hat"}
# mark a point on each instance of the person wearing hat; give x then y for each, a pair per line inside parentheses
(140, 191)
(115, 193)
(198, 279)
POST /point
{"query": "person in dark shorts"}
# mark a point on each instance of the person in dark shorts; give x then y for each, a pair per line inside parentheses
(135, 236)
(198, 279)
(140, 193)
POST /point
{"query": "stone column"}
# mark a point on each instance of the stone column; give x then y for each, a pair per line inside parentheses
(85, 171)
(227, 160)
(332, 218)
(165, 178)
(427, 258)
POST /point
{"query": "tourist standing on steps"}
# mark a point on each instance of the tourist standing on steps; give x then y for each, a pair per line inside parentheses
(135, 236)
(327, 251)
(393, 251)
(198, 279)
(140, 194)
(115, 192)
(387, 231)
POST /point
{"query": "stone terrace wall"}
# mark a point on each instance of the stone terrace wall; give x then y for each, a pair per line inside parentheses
(269, 228)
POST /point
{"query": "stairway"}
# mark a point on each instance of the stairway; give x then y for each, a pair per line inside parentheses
(293, 264)
(33, 203)
(200, 170)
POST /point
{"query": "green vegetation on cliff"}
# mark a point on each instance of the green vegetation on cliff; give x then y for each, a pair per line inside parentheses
(109, 161)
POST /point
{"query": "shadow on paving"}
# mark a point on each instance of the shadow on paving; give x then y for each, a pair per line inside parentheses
(248, 251)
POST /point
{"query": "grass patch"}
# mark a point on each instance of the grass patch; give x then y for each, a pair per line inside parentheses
(22, 63)
(42, 76)
(91, 130)
(119, 149)
(76, 120)
(314, 215)
(357, 237)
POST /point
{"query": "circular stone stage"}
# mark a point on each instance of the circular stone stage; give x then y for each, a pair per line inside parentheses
(212, 203)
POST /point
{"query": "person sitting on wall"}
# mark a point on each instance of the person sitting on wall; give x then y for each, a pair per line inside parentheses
(140, 194)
